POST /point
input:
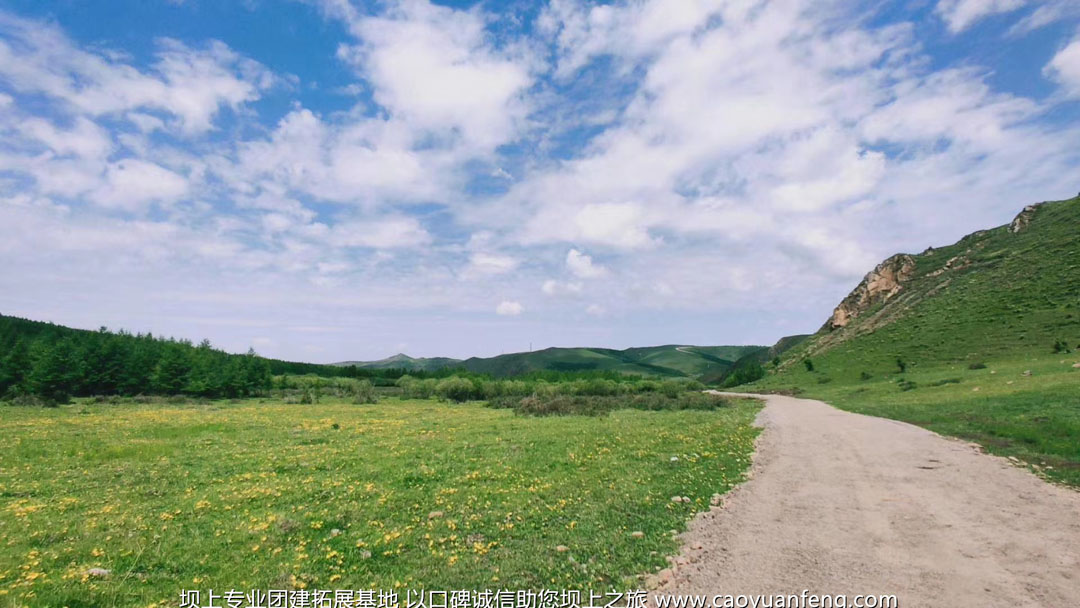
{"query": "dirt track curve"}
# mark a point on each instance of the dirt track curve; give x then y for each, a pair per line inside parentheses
(842, 503)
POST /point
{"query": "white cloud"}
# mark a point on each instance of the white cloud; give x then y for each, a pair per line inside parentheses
(483, 264)
(595, 310)
(386, 233)
(369, 162)
(131, 184)
(1065, 68)
(1047, 12)
(508, 308)
(581, 265)
(635, 29)
(85, 138)
(191, 85)
(961, 14)
(552, 287)
(437, 69)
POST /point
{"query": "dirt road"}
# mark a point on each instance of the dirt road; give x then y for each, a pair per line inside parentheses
(842, 503)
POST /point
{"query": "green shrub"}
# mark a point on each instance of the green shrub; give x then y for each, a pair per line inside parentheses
(977, 365)
(364, 392)
(545, 390)
(671, 388)
(515, 387)
(648, 386)
(456, 388)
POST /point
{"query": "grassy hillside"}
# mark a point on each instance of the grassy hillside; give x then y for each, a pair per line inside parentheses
(693, 361)
(995, 294)
(978, 339)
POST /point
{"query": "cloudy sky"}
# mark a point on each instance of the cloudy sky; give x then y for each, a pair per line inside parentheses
(345, 179)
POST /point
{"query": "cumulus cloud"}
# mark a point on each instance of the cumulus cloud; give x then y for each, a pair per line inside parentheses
(582, 266)
(509, 308)
(436, 68)
(1065, 68)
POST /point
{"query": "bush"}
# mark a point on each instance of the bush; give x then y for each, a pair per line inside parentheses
(648, 386)
(456, 388)
(545, 390)
(809, 364)
(671, 388)
(413, 388)
(907, 385)
(364, 392)
(865, 376)
(978, 365)
(514, 387)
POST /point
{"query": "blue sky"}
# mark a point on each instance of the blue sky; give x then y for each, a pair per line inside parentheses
(328, 180)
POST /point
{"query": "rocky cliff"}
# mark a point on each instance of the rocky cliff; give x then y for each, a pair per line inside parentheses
(877, 287)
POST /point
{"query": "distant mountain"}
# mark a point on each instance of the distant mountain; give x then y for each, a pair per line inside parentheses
(756, 357)
(1006, 292)
(403, 361)
(665, 361)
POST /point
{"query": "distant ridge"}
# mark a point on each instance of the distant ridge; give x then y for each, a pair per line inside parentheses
(403, 361)
(670, 360)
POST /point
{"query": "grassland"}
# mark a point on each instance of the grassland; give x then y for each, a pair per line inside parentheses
(404, 493)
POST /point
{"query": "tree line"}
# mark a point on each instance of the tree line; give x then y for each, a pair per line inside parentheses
(55, 363)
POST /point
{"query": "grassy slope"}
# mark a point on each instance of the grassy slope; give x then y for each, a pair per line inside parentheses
(693, 361)
(1019, 294)
(160, 495)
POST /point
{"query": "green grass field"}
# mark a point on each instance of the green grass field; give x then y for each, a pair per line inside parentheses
(399, 494)
(1035, 418)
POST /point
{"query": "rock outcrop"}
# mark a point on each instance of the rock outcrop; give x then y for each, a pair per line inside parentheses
(879, 286)
(1023, 218)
